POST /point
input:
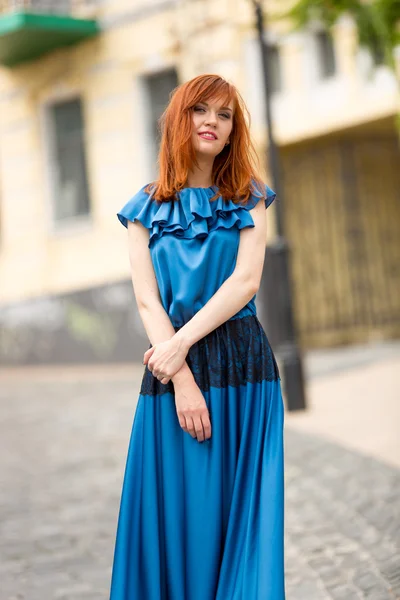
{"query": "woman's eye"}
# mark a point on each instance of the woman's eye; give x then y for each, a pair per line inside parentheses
(201, 108)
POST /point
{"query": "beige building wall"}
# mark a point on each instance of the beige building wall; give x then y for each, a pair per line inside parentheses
(39, 258)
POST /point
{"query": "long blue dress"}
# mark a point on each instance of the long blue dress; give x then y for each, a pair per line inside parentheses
(204, 521)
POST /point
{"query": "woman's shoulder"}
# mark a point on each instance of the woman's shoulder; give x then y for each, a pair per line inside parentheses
(258, 190)
(195, 215)
(139, 207)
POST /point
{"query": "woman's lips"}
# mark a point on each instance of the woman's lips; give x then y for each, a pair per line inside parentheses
(207, 137)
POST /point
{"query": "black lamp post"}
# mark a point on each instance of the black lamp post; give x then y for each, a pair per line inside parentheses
(276, 292)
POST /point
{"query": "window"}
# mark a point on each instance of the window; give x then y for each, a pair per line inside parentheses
(326, 54)
(158, 87)
(275, 68)
(68, 161)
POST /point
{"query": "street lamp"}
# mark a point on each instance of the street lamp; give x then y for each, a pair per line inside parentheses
(277, 297)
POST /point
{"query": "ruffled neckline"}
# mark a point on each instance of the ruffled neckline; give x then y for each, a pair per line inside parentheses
(191, 216)
(209, 187)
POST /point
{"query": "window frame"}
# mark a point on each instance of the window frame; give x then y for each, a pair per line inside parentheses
(323, 71)
(147, 114)
(76, 222)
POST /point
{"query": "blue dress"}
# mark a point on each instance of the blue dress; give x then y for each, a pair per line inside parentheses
(204, 521)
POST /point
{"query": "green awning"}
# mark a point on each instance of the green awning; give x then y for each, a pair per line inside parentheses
(26, 36)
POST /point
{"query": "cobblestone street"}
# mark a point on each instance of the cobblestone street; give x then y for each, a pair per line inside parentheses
(64, 444)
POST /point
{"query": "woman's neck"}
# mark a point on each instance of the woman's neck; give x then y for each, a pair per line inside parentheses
(201, 176)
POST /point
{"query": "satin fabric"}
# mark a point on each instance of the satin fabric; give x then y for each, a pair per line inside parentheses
(193, 245)
(204, 521)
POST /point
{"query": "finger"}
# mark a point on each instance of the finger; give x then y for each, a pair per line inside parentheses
(206, 426)
(190, 426)
(165, 380)
(198, 424)
(147, 355)
(182, 421)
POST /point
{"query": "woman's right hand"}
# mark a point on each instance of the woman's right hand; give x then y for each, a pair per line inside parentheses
(191, 409)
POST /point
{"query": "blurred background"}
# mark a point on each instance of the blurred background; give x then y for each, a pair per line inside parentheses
(82, 86)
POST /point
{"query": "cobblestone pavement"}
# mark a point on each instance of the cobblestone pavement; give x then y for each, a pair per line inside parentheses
(63, 450)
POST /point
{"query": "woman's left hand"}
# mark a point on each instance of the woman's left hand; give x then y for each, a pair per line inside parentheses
(165, 359)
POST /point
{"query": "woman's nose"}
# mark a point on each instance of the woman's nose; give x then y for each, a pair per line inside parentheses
(211, 119)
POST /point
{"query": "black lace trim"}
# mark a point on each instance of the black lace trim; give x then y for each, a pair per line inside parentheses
(236, 353)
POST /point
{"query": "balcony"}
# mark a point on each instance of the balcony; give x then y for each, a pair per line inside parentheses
(31, 28)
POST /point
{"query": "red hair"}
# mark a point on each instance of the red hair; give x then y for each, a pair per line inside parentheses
(234, 171)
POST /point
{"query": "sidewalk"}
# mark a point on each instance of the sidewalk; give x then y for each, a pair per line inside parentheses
(65, 435)
(354, 399)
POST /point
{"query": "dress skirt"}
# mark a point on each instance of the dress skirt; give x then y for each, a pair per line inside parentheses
(205, 521)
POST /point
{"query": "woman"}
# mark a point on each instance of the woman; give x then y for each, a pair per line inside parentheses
(202, 506)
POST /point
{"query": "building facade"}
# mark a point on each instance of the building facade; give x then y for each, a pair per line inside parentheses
(82, 85)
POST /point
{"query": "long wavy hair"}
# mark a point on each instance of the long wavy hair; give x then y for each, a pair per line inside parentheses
(235, 168)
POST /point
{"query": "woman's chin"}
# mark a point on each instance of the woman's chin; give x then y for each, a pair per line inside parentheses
(207, 152)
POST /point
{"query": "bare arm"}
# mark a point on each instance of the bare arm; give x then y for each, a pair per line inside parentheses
(166, 358)
(154, 317)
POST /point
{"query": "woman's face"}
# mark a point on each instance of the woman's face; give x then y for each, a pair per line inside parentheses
(212, 125)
